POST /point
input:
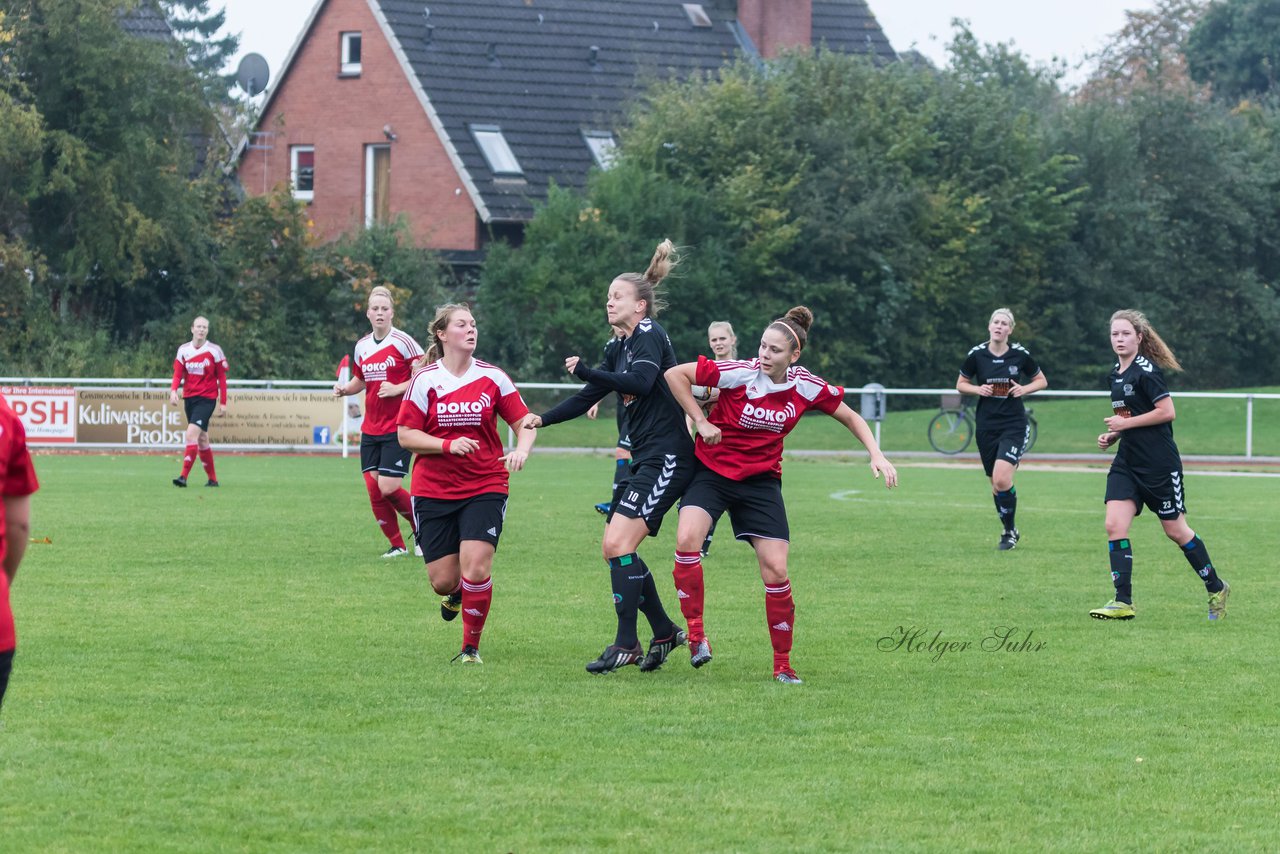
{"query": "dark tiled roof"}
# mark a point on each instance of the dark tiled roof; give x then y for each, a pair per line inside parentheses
(849, 25)
(146, 20)
(526, 66)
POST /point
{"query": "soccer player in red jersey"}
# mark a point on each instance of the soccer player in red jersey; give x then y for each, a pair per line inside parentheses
(383, 363)
(17, 483)
(461, 476)
(739, 452)
(201, 369)
(1147, 469)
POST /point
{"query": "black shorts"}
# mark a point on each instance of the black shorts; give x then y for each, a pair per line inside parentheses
(199, 411)
(384, 455)
(653, 487)
(442, 524)
(6, 664)
(755, 505)
(1161, 491)
(1005, 443)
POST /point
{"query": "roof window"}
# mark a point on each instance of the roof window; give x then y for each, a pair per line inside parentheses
(497, 153)
(697, 15)
(604, 150)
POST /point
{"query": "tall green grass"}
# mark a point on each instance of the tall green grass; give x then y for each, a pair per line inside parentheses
(237, 670)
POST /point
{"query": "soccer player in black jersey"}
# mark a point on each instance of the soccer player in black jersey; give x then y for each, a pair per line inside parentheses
(1147, 469)
(661, 452)
(1001, 374)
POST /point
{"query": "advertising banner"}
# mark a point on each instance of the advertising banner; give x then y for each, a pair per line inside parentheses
(144, 418)
(47, 413)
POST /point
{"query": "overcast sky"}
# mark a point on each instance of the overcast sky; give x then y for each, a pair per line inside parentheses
(1041, 29)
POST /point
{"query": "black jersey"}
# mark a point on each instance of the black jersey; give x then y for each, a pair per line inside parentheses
(1134, 391)
(982, 367)
(654, 421)
(609, 362)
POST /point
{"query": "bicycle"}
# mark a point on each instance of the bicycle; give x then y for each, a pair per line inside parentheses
(952, 429)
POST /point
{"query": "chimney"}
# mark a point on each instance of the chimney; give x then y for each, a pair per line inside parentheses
(775, 25)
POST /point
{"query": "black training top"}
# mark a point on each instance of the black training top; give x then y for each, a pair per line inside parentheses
(1134, 391)
(655, 422)
(982, 367)
(609, 362)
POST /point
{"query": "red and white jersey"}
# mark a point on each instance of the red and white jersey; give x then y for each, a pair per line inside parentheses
(201, 371)
(17, 478)
(378, 362)
(449, 407)
(754, 414)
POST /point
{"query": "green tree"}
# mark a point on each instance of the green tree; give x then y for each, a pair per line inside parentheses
(1235, 48)
(199, 28)
(892, 201)
(106, 205)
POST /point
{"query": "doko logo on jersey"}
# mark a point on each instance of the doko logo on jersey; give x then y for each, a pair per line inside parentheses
(762, 418)
(462, 412)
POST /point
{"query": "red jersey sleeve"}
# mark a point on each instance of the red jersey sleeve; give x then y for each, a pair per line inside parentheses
(178, 370)
(411, 414)
(511, 407)
(707, 373)
(17, 472)
(222, 380)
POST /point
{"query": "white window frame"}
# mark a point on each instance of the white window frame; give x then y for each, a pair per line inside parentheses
(603, 147)
(497, 152)
(697, 15)
(369, 211)
(346, 66)
(294, 151)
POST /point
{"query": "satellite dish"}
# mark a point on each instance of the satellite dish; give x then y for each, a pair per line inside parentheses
(253, 74)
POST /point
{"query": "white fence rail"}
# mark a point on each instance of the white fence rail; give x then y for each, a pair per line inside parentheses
(867, 394)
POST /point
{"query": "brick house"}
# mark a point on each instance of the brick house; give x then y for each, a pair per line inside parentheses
(456, 114)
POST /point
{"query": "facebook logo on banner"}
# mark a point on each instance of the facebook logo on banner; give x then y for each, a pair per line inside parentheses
(319, 435)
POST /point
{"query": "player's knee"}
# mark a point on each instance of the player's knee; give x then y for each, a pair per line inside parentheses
(371, 485)
(772, 574)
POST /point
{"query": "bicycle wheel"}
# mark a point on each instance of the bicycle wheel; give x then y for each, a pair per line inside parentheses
(1031, 431)
(950, 431)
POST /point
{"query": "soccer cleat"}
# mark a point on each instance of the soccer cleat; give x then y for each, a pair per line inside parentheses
(450, 606)
(180, 481)
(603, 508)
(787, 676)
(469, 655)
(614, 657)
(211, 482)
(700, 652)
(660, 649)
(1008, 540)
(417, 550)
(706, 546)
(395, 551)
(1217, 603)
(1114, 610)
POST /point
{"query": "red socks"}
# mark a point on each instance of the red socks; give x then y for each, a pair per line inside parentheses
(476, 597)
(383, 511)
(206, 460)
(689, 590)
(402, 502)
(780, 612)
(8, 638)
(189, 459)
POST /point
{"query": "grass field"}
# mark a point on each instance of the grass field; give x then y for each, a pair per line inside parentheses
(237, 670)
